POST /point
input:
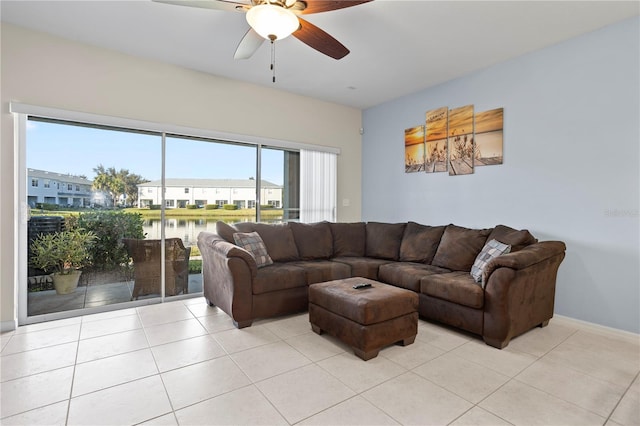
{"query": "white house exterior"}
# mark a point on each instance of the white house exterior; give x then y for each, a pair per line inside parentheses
(180, 192)
(57, 188)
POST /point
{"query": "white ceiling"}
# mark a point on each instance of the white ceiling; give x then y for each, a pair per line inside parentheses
(397, 47)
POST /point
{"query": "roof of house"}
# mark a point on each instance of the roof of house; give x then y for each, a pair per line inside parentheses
(209, 183)
(62, 177)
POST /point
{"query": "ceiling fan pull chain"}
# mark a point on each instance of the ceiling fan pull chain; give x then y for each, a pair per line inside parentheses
(273, 59)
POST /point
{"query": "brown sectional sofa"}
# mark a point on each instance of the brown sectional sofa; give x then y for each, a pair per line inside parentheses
(433, 261)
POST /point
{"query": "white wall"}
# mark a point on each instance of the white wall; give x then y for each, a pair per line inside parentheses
(48, 71)
(571, 165)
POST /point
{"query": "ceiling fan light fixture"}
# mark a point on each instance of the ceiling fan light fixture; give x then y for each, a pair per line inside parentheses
(272, 22)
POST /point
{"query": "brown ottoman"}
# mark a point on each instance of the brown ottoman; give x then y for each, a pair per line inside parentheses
(367, 319)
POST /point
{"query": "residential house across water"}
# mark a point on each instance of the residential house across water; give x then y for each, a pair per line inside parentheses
(181, 192)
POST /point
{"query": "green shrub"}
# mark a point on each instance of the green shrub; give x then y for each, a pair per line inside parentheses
(195, 266)
(110, 227)
(62, 252)
(47, 206)
(210, 206)
(230, 207)
(155, 207)
(192, 206)
(266, 206)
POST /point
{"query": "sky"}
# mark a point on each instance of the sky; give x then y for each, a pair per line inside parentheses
(78, 150)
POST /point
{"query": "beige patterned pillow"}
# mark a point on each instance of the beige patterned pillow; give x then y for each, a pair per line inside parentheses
(491, 250)
(251, 242)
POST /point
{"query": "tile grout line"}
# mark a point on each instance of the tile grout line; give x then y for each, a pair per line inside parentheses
(613, 410)
(164, 386)
(73, 376)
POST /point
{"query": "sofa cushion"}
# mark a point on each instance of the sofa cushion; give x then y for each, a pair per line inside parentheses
(323, 270)
(490, 251)
(349, 239)
(279, 241)
(456, 287)
(225, 231)
(279, 276)
(384, 239)
(245, 226)
(407, 274)
(516, 239)
(314, 240)
(365, 267)
(252, 243)
(420, 242)
(459, 247)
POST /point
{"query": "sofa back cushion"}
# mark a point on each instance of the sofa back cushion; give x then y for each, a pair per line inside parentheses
(225, 231)
(349, 239)
(314, 240)
(384, 239)
(245, 226)
(459, 247)
(277, 237)
(420, 242)
(516, 239)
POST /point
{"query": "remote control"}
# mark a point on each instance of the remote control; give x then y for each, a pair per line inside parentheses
(362, 285)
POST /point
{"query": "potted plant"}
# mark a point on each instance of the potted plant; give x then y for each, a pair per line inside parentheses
(63, 253)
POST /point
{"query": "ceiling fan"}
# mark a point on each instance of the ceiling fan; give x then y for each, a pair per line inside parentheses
(277, 19)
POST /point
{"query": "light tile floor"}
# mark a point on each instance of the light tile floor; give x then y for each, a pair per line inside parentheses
(184, 363)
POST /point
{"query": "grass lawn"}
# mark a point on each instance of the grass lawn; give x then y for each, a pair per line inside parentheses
(204, 213)
(181, 213)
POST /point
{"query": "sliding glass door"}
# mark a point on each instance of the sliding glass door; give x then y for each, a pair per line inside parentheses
(205, 181)
(82, 190)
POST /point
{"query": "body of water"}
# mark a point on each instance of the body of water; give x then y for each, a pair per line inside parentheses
(188, 229)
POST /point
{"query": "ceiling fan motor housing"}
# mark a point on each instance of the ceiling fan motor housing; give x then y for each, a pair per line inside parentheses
(272, 21)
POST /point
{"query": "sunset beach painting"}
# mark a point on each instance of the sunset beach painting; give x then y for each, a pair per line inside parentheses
(436, 121)
(488, 137)
(414, 149)
(460, 141)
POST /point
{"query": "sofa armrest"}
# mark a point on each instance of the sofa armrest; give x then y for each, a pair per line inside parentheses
(228, 272)
(528, 256)
(520, 291)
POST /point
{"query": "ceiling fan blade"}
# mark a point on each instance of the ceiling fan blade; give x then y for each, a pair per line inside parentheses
(317, 6)
(248, 45)
(231, 6)
(316, 38)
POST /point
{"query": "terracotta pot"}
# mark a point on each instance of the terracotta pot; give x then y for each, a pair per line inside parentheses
(66, 283)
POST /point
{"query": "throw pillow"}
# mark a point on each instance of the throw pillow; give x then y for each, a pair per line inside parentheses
(491, 250)
(251, 242)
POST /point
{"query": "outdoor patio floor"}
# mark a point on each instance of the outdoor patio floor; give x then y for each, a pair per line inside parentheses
(87, 296)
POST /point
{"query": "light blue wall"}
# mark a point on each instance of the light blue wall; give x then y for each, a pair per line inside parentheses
(571, 165)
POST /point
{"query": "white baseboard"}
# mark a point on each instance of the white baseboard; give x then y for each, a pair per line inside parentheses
(597, 328)
(8, 325)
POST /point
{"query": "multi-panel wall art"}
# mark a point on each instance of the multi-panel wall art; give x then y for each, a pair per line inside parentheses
(414, 149)
(436, 140)
(455, 141)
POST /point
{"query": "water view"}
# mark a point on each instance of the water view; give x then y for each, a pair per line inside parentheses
(188, 229)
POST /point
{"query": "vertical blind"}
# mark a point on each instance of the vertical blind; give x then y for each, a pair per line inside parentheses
(318, 186)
